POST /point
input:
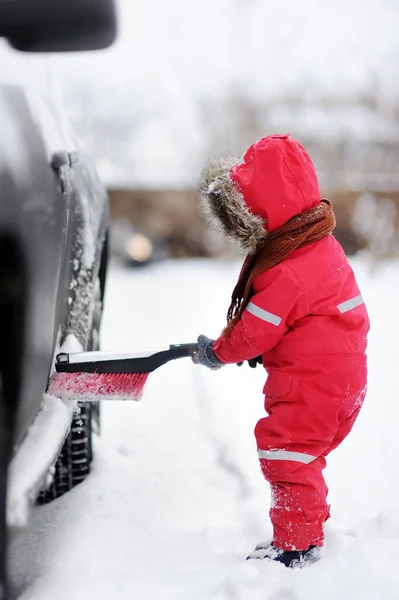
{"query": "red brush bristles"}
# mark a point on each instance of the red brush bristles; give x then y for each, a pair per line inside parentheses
(97, 386)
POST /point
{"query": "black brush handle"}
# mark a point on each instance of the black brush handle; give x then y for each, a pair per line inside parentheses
(130, 365)
(185, 349)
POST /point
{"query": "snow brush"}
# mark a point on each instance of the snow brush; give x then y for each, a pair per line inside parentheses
(96, 376)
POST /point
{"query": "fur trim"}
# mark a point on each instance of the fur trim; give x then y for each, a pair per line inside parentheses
(224, 206)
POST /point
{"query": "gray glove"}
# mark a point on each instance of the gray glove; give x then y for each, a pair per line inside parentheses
(205, 355)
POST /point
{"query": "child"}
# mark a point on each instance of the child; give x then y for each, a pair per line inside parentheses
(297, 308)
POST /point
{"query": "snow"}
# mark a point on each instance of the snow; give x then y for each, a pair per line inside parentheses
(173, 76)
(151, 107)
(260, 46)
(176, 499)
(28, 469)
(30, 464)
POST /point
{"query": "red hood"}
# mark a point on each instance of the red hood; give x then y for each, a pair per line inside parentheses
(277, 180)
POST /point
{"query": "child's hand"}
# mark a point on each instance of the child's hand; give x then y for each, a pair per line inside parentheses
(205, 355)
(253, 362)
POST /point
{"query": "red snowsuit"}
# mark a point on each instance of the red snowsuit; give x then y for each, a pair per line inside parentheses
(308, 320)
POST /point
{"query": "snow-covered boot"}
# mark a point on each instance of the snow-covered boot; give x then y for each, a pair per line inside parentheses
(289, 558)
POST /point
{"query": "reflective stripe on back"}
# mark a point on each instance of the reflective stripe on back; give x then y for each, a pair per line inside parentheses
(286, 455)
(263, 314)
(350, 304)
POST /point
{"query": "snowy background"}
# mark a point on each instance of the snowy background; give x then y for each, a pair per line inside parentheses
(176, 498)
(190, 79)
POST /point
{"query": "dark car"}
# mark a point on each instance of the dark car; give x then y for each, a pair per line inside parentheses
(53, 258)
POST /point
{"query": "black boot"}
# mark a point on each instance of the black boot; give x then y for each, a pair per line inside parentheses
(289, 558)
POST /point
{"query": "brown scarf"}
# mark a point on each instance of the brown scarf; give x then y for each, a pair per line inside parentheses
(303, 229)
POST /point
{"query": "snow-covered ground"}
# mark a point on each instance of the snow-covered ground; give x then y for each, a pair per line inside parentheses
(176, 498)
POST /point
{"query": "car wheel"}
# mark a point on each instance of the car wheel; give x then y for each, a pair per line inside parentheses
(74, 461)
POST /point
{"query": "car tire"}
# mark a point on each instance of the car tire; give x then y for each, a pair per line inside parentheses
(74, 461)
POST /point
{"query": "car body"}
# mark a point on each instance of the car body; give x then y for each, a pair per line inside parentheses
(54, 220)
(53, 228)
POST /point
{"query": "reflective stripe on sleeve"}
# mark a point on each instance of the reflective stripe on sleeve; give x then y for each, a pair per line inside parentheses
(286, 455)
(350, 304)
(263, 314)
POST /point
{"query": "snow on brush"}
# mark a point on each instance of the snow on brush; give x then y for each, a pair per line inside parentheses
(176, 499)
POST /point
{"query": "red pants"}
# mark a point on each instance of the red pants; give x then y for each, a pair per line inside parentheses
(308, 417)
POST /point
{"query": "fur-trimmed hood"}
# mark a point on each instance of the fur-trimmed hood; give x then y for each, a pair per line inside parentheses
(245, 199)
(224, 205)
